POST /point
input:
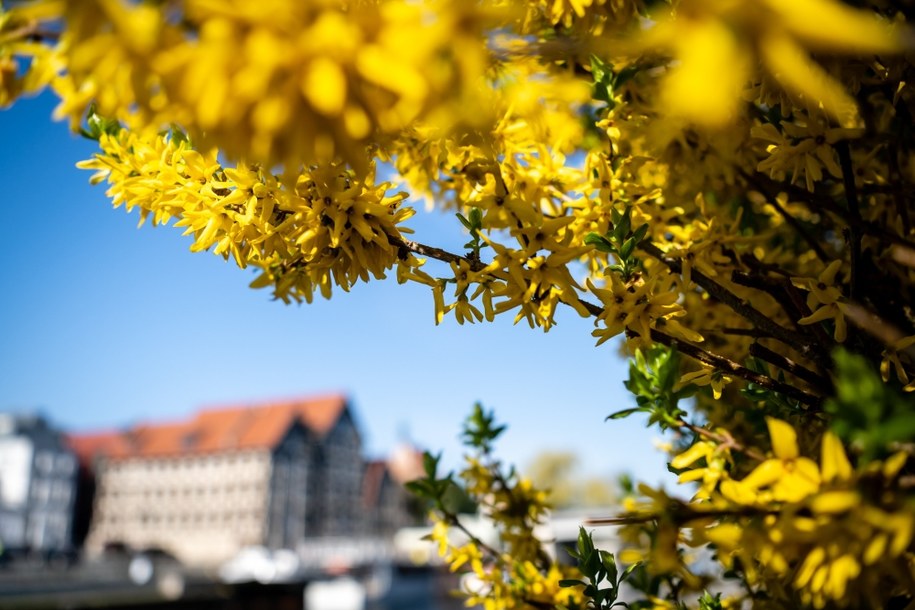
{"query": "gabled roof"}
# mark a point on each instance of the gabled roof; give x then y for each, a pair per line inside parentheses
(88, 446)
(404, 465)
(213, 430)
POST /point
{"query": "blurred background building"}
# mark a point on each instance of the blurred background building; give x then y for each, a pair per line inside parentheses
(37, 486)
(257, 475)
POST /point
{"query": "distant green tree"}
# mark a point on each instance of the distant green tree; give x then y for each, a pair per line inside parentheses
(557, 472)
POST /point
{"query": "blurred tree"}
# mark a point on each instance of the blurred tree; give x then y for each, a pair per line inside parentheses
(556, 473)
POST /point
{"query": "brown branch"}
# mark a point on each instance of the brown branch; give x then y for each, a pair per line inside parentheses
(682, 514)
(874, 325)
(720, 362)
(737, 332)
(728, 366)
(854, 209)
(815, 200)
(802, 230)
(724, 439)
(904, 255)
(772, 287)
(896, 180)
(433, 252)
(745, 309)
(32, 30)
(695, 352)
(452, 519)
(774, 187)
(760, 351)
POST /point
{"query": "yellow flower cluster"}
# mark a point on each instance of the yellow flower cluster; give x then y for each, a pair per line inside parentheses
(582, 16)
(331, 228)
(26, 65)
(275, 82)
(636, 306)
(837, 534)
(515, 571)
(718, 43)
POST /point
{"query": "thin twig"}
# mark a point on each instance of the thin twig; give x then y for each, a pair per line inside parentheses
(772, 287)
(433, 252)
(815, 200)
(728, 366)
(745, 309)
(452, 519)
(725, 440)
(682, 514)
(802, 230)
(854, 209)
(896, 180)
(760, 351)
(32, 29)
(737, 332)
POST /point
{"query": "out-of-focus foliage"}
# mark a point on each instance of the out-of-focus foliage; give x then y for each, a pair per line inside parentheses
(556, 472)
(517, 571)
(724, 187)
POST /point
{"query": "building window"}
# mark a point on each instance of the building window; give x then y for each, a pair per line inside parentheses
(44, 461)
(66, 465)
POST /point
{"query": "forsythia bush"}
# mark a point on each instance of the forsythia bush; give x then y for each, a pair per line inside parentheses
(727, 185)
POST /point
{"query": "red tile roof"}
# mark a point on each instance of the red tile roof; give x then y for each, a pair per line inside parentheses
(259, 426)
(88, 446)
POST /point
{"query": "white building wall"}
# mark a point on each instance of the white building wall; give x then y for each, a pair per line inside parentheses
(201, 508)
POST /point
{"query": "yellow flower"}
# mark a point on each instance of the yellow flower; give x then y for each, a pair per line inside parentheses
(465, 311)
(891, 356)
(824, 297)
(789, 476)
(805, 148)
(709, 376)
(715, 468)
(833, 460)
(715, 45)
(636, 306)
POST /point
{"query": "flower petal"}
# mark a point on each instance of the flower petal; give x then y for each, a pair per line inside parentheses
(833, 461)
(784, 439)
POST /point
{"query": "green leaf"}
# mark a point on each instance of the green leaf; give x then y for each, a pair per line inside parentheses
(476, 218)
(621, 229)
(599, 242)
(430, 463)
(625, 75)
(585, 544)
(640, 233)
(179, 136)
(622, 414)
(479, 429)
(419, 487)
(599, 68)
(568, 582)
(602, 89)
(708, 602)
(464, 221)
(627, 248)
(629, 570)
(609, 565)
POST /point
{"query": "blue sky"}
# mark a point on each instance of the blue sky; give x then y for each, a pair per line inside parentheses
(103, 325)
